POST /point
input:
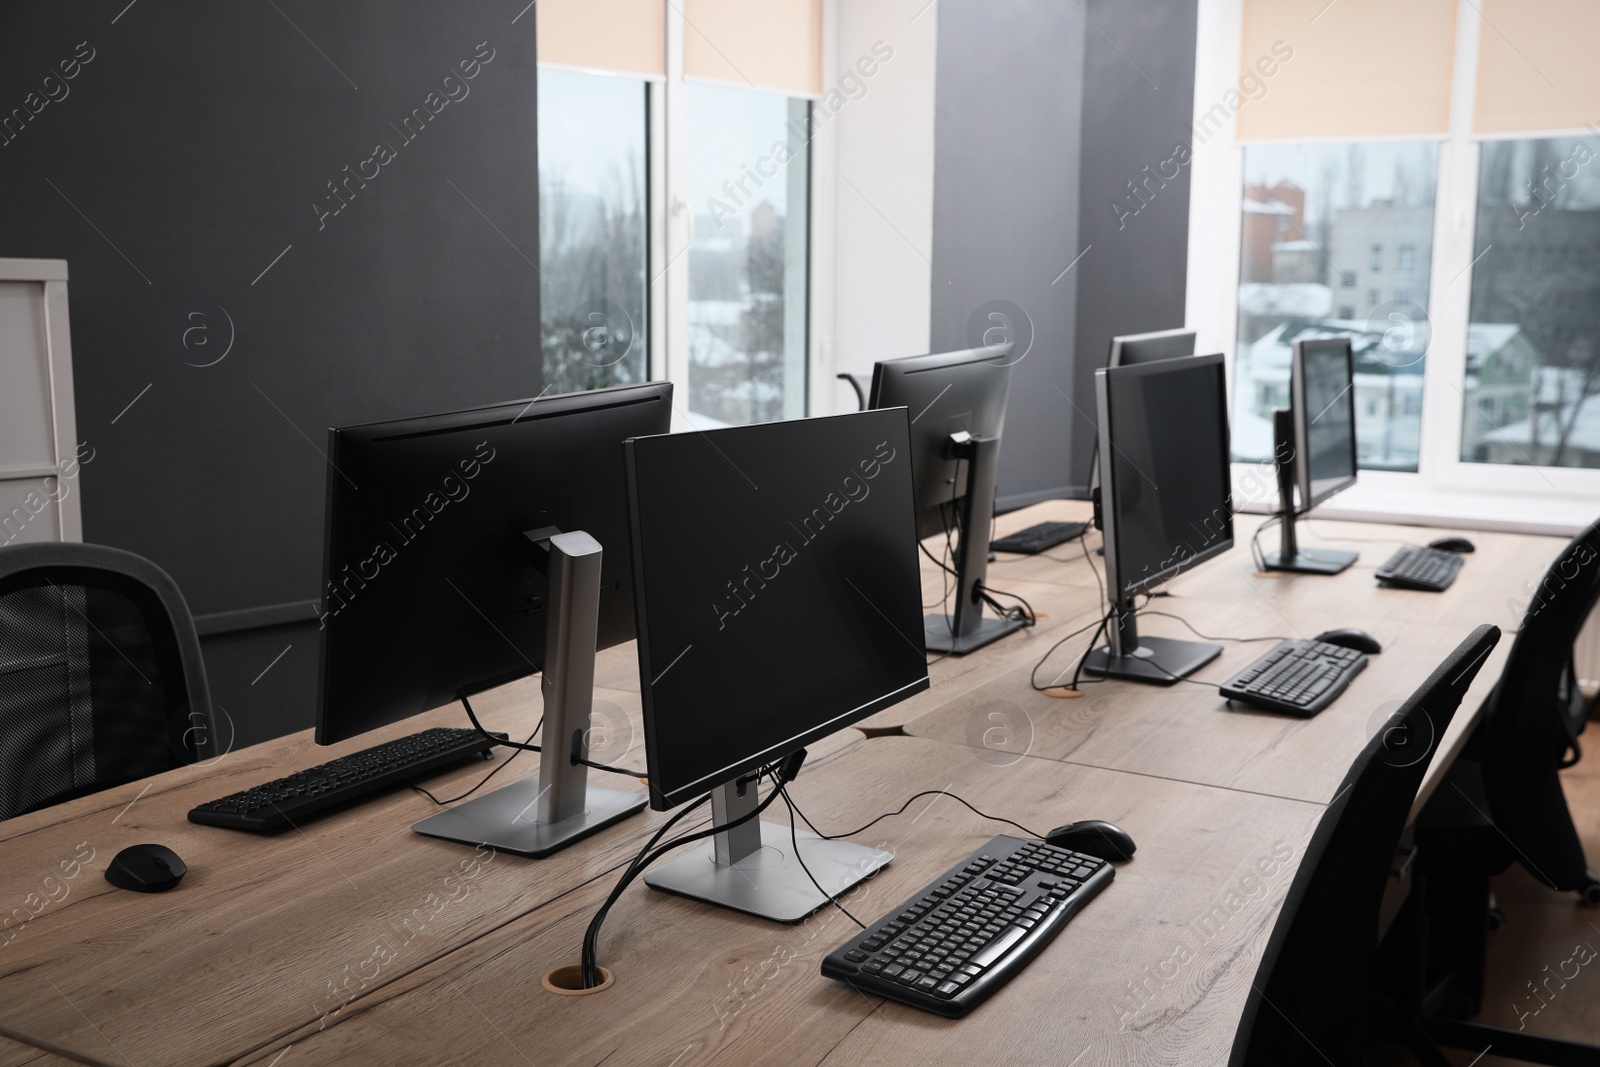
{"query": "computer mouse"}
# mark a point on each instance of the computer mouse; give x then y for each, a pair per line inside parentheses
(1359, 640)
(146, 869)
(1095, 838)
(1453, 544)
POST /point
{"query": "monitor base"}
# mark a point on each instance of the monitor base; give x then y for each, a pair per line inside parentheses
(505, 820)
(769, 883)
(937, 637)
(1160, 660)
(1312, 561)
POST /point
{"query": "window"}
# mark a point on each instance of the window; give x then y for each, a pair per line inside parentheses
(1339, 199)
(593, 231)
(749, 184)
(1408, 258)
(1533, 338)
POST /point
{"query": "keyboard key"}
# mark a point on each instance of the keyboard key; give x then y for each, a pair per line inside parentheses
(998, 946)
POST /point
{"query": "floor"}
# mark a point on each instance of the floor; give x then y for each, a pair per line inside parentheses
(1543, 930)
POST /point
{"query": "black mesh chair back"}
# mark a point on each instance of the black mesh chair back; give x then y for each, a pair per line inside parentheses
(1308, 1001)
(101, 680)
(1536, 715)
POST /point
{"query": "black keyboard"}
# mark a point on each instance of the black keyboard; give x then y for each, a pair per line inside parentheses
(1413, 567)
(284, 801)
(1036, 539)
(1297, 677)
(947, 949)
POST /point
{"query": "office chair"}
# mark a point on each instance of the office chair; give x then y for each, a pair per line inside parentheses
(1533, 721)
(101, 680)
(1308, 1002)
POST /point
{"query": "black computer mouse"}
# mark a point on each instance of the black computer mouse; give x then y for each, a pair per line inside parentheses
(1359, 640)
(1453, 544)
(1095, 838)
(146, 869)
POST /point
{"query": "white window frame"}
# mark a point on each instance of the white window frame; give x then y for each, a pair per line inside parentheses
(1444, 490)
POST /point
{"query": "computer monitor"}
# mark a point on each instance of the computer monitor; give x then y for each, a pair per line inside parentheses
(957, 402)
(454, 541)
(1168, 500)
(1129, 349)
(1314, 448)
(779, 601)
(1149, 347)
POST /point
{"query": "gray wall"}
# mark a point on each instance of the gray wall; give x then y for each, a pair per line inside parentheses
(1133, 281)
(170, 171)
(1007, 115)
(1039, 122)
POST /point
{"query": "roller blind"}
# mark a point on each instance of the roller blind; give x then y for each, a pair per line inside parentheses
(1351, 68)
(626, 36)
(1536, 65)
(770, 44)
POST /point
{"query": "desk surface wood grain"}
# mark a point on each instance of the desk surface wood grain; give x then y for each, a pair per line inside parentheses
(1154, 970)
(270, 934)
(358, 941)
(1186, 731)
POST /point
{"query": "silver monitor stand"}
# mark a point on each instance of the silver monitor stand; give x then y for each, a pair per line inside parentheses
(537, 816)
(752, 867)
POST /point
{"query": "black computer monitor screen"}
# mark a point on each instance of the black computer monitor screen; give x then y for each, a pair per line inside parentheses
(1149, 347)
(430, 586)
(946, 392)
(1325, 416)
(779, 593)
(1165, 469)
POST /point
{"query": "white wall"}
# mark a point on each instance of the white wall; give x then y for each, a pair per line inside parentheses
(882, 191)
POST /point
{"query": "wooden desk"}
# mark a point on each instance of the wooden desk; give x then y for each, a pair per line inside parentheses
(1188, 732)
(1155, 970)
(345, 939)
(269, 935)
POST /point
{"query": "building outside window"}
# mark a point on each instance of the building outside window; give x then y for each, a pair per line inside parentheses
(1342, 204)
(1532, 388)
(749, 178)
(593, 230)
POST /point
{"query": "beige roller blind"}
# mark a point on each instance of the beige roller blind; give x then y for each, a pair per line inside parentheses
(1363, 68)
(771, 44)
(1536, 65)
(627, 36)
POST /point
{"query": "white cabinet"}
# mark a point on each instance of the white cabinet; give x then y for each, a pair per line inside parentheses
(40, 461)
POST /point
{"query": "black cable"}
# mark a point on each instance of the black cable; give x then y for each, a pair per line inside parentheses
(1207, 637)
(1083, 543)
(1256, 553)
(937, 562)
(579, 761)
(1077, 671)
(1023, 613)
(592, 934)
(649, 855)
(794, 840)
(901, 810)
(641, 775)
(496, 738)
(1033, 676)
(486, 777)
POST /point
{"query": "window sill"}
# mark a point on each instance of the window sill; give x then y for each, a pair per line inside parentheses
(1414, 505)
